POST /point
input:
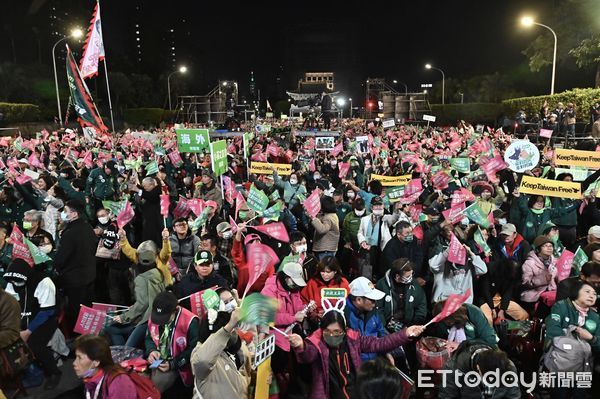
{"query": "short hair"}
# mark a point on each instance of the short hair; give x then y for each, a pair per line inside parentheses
(76, 206)
(375, 187)
(179, 220)
(296, 236)
(149, 180)
(590, 248)
(96, 348)
(34, 214)
(576, 287)
(401, 225)
(378, 379)
(400, 266)
(590, 268)
(492, 359)
(212, 238)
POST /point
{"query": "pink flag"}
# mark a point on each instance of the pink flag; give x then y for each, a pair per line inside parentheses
(105, 307)
(175, 158)
(455, 213)
(182, 209)
(273, 149)
(312, 204)
(452, 304)
(461, 196)
(456, 252)
(344, 168)
(440, 180)
(563, 265)
(93, 49)
(2, 165)
(337, 149)
(164, 205)
(229, 187)
(35, 161)
(125, 216)
(311, 165)
(415, 211)
(16, 234)
(259, 257)
(23, 178)
(233, 225)
(275, 230)
(547, 133)
(173, 268)
(90, 321)
(196, 206)
(87, 160)
(413, 186)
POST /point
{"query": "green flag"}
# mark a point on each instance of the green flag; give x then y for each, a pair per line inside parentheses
(192, 140)
(394, 194)
(159, 150)
(481, 242)
(273, 212)
(246, 139)
(218, 153)
(257, 200)
(151, 168)
(462, 165)
(258, 309)
(115, 207)
(275, 195)
(36, 253)
(477, 215)
(579, 259)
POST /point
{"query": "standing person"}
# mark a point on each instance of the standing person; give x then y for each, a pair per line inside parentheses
(209, 190)
(184, 245)
(221, 264)
(329, 275)
(10, 319)
(374, 233)
(292, 188)
(403, 245)
(36, 294)
(327, 230)
(95, 366)
(75, 260)
(162, 257)
(152, 220)
(326, 104)
(570, 119)
(102, 183)
(201, 278)
(5, 252)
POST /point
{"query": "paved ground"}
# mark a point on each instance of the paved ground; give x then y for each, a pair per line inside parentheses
(68, 381)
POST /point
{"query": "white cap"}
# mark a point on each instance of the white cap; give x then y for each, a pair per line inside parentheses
(295, 272)
(23, 160)
(362, 286)
(594, 231)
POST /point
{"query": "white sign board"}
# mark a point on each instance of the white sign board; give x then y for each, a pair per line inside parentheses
(264, 349)
(388, 123)
(429, 118)
(522, 155)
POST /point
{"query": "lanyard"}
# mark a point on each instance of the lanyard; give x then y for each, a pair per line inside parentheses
(97, 391)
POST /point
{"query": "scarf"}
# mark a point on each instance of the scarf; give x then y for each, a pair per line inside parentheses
(457, 335)
(582, 313)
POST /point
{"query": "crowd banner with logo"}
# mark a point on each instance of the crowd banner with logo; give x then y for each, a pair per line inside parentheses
(551, 188)
(462, 165)
(579, 174)
(589, 159)
(218, 151)
(90, 321)
(264, 168)
(522, 155)
(392, 181)
(192, 140)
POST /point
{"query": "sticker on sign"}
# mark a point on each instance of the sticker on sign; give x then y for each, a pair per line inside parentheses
(429, 118)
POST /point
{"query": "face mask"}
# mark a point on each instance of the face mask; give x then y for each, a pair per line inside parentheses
(351, 195)
(502, 222)
(27, 225)
(409, 238)
(301, 249)
(293, 181)
(435, 219)
(378, 212)
(317, 177)
(89, 372)
(359, 213)
(406, 280)
(227, 235)
(64, 217)
(230, 307)
(46, 249)
(333, 163)
(103, 220)
(333, 342)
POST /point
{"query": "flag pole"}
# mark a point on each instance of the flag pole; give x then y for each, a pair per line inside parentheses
(112, 121)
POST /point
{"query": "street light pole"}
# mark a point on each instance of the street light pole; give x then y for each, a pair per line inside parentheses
(528, 21)
(428, 66)
(56, 79)
(350, 107)
(182, 69)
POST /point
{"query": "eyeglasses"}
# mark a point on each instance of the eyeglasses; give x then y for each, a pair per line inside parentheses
(328, 333)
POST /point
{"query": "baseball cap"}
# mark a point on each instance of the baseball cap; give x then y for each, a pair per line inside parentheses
(163, 307)
(203, 257)
(251, 237)
(362, 286)
(223, 227)
(294, 271)
(146, 253)
(508, 229)
(594, 231)
(376, 201)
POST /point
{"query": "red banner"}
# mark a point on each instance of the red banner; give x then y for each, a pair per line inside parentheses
(312, 204)
(440, 180)
(337, 149)
(259, 257)
(275, 230)
(175, 158)
(452, 304)
(456, 252)
(455, 213)
(563, 265)
(90, 321)
(344, 168)
(164, 205)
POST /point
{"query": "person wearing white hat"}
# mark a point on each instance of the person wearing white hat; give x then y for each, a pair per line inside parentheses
(361, 313)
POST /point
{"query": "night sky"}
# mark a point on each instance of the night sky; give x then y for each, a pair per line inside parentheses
(354, 39)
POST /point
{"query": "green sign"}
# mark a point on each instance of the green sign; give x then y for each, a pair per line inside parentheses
(246, 139)
(192, 140)
(333, 293)
(257, 200)
(218, 153)
(395, 194)
(462, 165)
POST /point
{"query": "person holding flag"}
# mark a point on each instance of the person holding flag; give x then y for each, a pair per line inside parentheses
(152, 220)
(102, 183)
(209, 189)
(161, 258)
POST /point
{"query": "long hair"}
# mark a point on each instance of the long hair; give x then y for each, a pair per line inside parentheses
(330, 262)
(96, 348)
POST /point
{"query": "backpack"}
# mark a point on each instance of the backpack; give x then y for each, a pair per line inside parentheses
(569, 353)
(144, 386)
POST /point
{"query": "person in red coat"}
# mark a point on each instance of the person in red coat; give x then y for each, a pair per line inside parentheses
(239, 259)
(329, 275)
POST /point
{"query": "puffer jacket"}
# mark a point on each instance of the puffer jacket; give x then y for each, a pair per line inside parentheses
(535, 277)
(327, 233)
(460, 278)
(369, 325)
(415, 302)
(147, 286)
(291, 192)
(184, 250)
(290, 303)
(316, 353)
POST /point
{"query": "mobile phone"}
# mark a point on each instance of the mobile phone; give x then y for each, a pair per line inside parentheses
(156, 363)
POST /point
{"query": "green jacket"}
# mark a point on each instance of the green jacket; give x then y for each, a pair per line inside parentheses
(570, 218)
(564, 314)
(350, 229)
(342, 210)
(529, 222)
(477, 327)
(147, 286)
(100, 185)
(415, 302)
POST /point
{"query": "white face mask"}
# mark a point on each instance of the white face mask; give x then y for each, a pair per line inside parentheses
(301, 248)
(46, 249)
(351, 195)
(227, 235)
(359, 213)
(502, 221)
(333, 163)
(317, 177)
(377, 212)
(293, 181)
(103, 220)
(367, 165)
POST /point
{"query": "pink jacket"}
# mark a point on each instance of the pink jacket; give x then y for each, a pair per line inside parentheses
(290, 303)
(535, 277)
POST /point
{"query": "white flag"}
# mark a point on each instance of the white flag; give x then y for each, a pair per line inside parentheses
(269, 106)
(93, 49)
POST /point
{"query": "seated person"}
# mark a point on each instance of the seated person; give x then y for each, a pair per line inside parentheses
(172, 335)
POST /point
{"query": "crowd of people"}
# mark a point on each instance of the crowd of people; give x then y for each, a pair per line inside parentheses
(129, 221)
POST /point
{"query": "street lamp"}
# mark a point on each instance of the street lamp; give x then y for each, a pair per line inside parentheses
(404, 84)
(75, 34)
(182, 69)
(428, 66)
(350, 107)
(529, 22)
(340, 103)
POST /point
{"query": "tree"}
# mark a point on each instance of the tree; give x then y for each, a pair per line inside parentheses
(578, 33)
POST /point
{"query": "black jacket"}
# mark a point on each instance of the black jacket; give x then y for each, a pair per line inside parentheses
(152, 221)
(191, 283)
(396, 249)
(75, 259)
